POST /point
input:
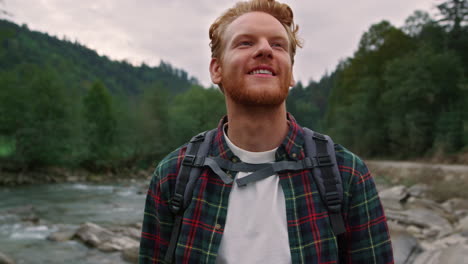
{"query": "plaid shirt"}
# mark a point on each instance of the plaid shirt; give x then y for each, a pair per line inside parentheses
(311, 239)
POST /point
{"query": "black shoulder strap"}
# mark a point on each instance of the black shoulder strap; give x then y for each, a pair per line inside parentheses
(327, 176)
(185, 183)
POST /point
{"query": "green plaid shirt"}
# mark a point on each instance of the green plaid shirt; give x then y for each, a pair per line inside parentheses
(311, 239)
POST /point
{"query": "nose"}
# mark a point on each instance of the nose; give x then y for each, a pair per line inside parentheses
(264, 50)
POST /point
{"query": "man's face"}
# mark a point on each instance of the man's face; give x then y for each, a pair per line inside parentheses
(255, 68)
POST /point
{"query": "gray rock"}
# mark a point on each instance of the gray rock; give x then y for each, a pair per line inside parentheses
(92, 234)
(456, 205)
(414, 230)
(104, 239)
(414, 203)
(463, 225)
(393, 197)
(131, 254)
(4, 259)
(422, 218)
(129, 231)
(418, 190)
(118, 244)
(405, 246)
(455, 239)
(454, 254)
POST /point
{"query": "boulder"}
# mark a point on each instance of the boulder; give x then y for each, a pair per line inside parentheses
(129, 231)
(92, 234)
(463, 225)
(104, 239)
(418, 190)
(392, 198)
(131, 254)
(118, 244)
(449, 241)
(457, 207)
(405, 246)
(414, 203)
(454, 254)
(422, 218)
(4, 259)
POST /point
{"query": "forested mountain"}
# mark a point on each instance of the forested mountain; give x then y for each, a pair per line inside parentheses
(403, 94)
(77, 64)
(63, 104)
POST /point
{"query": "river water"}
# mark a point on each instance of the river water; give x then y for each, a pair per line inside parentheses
(59, 207)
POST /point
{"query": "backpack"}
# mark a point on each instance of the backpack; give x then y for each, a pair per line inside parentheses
(319, 157)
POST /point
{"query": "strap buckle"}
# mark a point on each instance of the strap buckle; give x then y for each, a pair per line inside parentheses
(319, 137)
(323, 161)
(193, 161)
(307, 163)
(176, 203)
(188, 160)
(332, 199)
(198, 138)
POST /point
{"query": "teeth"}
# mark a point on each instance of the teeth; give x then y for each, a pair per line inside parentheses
(262, 72)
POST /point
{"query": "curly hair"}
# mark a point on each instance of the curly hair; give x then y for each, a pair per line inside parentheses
(282, 12)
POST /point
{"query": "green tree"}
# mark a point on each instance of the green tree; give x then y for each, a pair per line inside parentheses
(100, 126)
(355, 114)
(423, 90)
(454, 14)
(194, 111)
(35, 115)
(415, 23)
(144, 126)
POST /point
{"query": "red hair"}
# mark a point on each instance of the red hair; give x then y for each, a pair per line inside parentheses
(282, 12)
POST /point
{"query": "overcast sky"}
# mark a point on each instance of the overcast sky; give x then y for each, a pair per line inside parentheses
(176, 31)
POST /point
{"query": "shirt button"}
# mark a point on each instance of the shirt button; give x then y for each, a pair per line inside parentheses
(234, 159)
(294, 155)
(217, 227)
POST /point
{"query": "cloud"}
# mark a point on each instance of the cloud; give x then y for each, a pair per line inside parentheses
(177, 31)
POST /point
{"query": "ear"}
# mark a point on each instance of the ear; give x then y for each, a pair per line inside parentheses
(215, 71)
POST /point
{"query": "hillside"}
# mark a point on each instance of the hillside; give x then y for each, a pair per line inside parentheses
(78, 65)
(62, 104)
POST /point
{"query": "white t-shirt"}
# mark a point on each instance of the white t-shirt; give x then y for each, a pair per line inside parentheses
(256, 229)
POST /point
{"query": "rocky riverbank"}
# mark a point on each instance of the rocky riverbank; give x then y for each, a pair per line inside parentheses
(428, 222)
(423, 231)
(64, 175)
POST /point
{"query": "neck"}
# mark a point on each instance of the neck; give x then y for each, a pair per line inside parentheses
(256, 128)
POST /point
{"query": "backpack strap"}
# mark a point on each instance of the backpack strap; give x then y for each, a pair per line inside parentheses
(198, 146)
(327, 176)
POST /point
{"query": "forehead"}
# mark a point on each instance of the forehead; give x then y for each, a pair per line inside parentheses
(255, 23)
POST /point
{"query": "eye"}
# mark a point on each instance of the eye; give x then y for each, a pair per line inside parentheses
(277, 44)
(245, 43)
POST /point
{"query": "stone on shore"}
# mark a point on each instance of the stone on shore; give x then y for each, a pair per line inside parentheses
(131, 254)
(454, 254)
(4, 259)
(104, 239)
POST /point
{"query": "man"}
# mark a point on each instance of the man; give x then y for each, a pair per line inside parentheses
(279, 219)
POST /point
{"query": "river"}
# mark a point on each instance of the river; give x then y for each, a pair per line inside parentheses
(59, 207)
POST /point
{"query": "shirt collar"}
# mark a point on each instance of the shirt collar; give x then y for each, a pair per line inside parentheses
(290, 149)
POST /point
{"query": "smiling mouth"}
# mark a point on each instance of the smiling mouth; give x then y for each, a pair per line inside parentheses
(261, 72)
